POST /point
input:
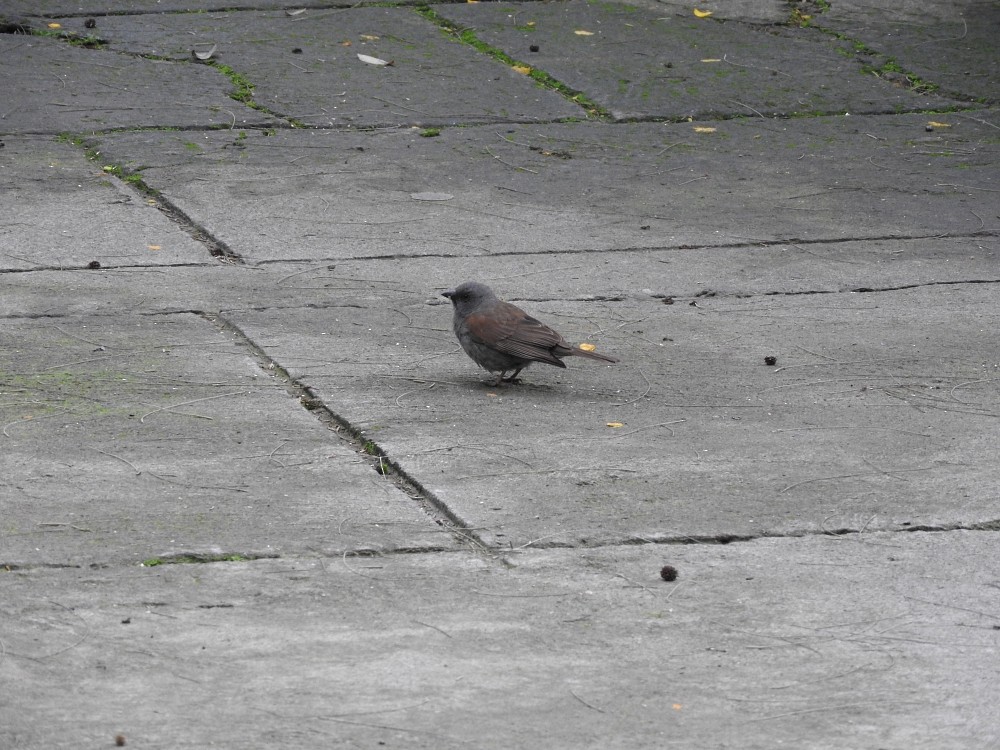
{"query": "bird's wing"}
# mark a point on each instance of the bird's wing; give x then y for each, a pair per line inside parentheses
(512, 331)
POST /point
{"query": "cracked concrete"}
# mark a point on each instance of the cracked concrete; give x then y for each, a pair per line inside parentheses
(253, 494)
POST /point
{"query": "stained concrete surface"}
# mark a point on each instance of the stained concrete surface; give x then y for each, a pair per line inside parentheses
(253, 494)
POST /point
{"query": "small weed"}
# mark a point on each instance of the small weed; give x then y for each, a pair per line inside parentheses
(798, 18)
(430, 132)
(70, 37)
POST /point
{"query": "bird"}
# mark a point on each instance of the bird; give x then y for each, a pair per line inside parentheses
(502, 338)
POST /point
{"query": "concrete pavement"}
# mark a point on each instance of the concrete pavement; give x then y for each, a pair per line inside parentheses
(253, 494)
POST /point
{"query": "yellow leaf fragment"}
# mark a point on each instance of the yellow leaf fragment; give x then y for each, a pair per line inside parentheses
(583, 32)
(522, 69)
(933, 124)
(678, 707)
(154, 247)
(616, 424)
(369, 37)
(346, 43)
(699, 129)
(472, 1)
(702, 13)
(55, 25)
(712, 59)
(588, 347)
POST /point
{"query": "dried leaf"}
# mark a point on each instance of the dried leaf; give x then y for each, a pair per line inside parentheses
(583, 32)
(205, 55)
(616, 425)
(702, 13)
(588, 347)
(431, 196)
(154, 247)
(369, 37)
(938, 124)
(55, 25)
(346, 43)
(699, 129)
(373, 60)
(522, 69)
(712, 59)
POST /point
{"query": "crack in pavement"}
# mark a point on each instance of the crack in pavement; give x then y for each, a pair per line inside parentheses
(367, 448)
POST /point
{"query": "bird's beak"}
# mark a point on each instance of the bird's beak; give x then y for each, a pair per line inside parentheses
(448, 293)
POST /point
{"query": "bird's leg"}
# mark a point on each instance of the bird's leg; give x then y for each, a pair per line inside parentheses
(513, 376)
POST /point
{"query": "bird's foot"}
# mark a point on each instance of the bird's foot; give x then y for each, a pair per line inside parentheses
(512, 378)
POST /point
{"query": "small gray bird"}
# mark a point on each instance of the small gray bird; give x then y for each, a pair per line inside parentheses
(503, 338)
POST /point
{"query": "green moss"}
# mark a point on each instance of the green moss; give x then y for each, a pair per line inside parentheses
(543, 79)
(242, 87)
(192, 559)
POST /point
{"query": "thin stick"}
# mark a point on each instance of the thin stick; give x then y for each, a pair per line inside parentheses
(194, 401)
(123, 460)
(588, 705)
(847, 476)
(649, 387)
(433, 627)
(827, 708)
(508, 164)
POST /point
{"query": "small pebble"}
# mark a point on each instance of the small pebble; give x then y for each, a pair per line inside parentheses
(668, 573)
(770, 360)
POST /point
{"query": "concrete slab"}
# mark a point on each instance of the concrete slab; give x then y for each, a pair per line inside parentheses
(67, 88)
(137, 425)
(639, 63)
(43, 9)
(307, 67)
(877, 640)
(577, 186)
(950, 44)
(134, 437)
(756, 11)
(683, 275)
(62, 211)
(881, 413)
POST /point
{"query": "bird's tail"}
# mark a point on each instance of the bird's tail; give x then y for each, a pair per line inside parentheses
(578, 352)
